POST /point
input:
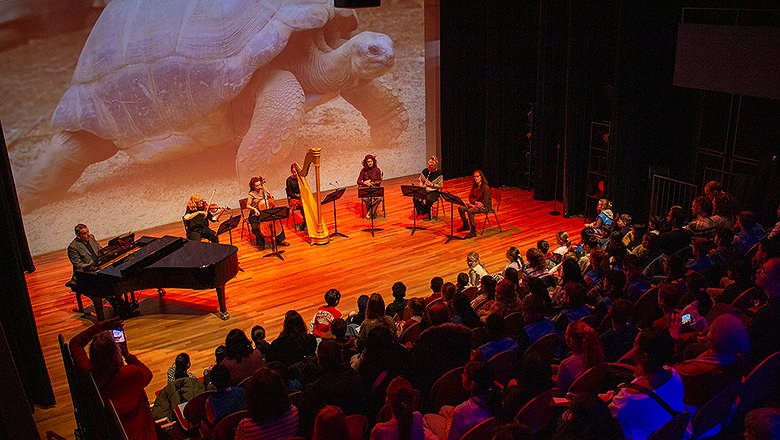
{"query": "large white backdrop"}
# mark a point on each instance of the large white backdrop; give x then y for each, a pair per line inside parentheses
(160, 160)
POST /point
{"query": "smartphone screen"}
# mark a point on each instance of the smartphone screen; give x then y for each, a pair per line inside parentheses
(686, 319)
(119, 336)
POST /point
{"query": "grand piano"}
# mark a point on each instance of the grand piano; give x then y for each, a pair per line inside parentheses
(149, 263)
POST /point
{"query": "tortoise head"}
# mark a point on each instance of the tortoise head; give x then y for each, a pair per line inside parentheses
(372, 54)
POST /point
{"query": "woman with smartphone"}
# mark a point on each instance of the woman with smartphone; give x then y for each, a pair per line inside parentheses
(122, 381)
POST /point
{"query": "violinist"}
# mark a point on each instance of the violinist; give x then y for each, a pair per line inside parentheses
(197, 218)
(259, 199)
(370, 175)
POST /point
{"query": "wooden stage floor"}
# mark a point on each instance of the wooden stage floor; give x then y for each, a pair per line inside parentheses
(183, 321)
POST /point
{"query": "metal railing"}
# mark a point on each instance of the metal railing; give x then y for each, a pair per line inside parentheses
(667, 192)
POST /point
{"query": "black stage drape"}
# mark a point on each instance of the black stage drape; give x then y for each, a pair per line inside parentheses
(16, 312)
(488, 74)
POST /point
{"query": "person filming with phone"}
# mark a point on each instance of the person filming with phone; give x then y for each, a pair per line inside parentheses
(119, 375)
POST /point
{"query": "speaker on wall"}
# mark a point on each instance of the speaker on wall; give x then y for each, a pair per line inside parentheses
(357, 3)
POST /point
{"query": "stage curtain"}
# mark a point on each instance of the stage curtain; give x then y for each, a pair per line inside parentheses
(488, 69)
(16, 312)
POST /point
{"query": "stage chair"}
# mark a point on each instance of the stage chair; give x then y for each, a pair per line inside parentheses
(747, 299)
(448, 390)
(646, 309)
(674, 429)
(191, 415)
(293, 204)
(357, 426)
(503, 365)
(479, 336)
(717, 411)
(495, 196)
(483, 429)
(514, 324)
(538, 413)
(411, 334)
(760, 383)
(225, 429)
(591, 381)
(545, 347)
(242, 204)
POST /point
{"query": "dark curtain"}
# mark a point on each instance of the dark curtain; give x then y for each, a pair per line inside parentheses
(16, 312)
(487, 78)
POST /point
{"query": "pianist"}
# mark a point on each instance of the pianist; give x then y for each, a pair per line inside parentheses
(196, 220)
(83, 251)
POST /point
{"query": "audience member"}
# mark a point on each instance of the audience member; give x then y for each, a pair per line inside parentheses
(486, 295)
(464, 314)
(294, 343)
(399, 300)
(710, 372)
(258, 338)
(748, 232)
(406, 423)
(451, 423)
(587, 352)
(764, 328)
(506, 299)
(418, 313)
(515, 260)
(330, 424)
(122, 382)
(537, 324)
(356, 318)
(619, 338)
(640, 415)
(226, 400)
(179, 368)
(270, 413)
(240, 358)
(476, 269)
(499, 341)
(320, 323)
(436, 286)
(375, 317)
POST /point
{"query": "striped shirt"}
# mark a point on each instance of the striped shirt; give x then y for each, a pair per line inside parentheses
(281, 428)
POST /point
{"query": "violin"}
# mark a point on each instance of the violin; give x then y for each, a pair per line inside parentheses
(213, 208)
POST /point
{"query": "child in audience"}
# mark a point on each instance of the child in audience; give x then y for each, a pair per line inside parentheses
(587, 352)
(226, 400)
(220, 353)
(338, 328)
(180, 367)
(320, 323)
(258, 338)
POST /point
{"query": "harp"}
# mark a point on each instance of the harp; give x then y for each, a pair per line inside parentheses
(315, 225)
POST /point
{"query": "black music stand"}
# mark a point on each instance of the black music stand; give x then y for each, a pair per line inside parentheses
(332, 197)
(272, 215)
(370, 193)
(415, 192)
(228, 226)
(454, 200)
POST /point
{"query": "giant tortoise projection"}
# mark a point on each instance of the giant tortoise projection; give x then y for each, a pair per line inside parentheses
(163, 79)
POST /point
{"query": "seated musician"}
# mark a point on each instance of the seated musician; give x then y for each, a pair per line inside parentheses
(259, 199)
(479, 201)
(432, 179)
(197, 218)
(294, 194)
(83, 251)
(370, 175)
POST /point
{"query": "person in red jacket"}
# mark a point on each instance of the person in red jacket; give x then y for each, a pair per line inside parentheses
(122, 382)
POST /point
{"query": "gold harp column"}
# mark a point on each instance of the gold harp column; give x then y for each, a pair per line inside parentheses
(316, 228)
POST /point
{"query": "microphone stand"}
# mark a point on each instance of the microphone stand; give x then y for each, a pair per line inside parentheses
(555, 191)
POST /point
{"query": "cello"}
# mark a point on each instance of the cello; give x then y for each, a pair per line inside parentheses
(266, 228)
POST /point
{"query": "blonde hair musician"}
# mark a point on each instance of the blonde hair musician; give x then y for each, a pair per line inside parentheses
(433, 180)
(258, 199)
(197, 217)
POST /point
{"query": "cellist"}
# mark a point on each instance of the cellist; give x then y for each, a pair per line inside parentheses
(258, 199)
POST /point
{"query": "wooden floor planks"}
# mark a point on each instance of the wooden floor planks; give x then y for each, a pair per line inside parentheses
(267, 288)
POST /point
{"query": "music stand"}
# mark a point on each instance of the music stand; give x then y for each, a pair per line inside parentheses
(454, 200)
(228, 226)
(332, 197)
(272, 215)
(370, 193)
(415, 192)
